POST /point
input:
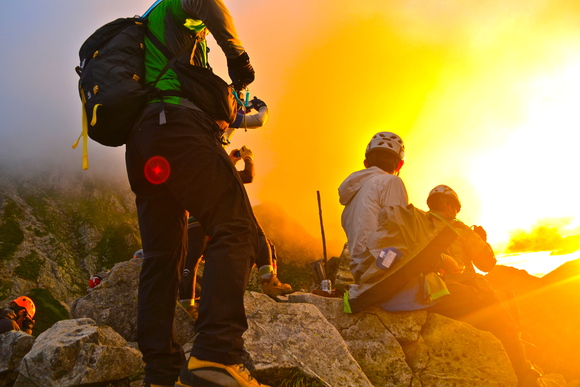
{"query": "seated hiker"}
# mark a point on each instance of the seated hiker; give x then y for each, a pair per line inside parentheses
(138, 254)
(96, 279)
(471, 298)
(366, 194)
(19, 316)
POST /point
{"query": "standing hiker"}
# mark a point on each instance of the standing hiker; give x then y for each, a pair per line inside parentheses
(176, 164)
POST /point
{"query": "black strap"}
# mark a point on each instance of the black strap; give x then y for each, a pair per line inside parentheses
(165, 51)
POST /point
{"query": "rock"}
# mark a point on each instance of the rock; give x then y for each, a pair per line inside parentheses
(287, 339)
(396, 349)
(13, 346)
(78, 352)
(453, 353)
(369, 338)
(114, 303)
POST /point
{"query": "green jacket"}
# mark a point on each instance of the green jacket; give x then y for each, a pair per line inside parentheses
(173, 22)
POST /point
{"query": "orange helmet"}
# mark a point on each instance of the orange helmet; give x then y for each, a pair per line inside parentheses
(27, 304)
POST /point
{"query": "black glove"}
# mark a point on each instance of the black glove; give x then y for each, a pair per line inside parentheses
(257, 103)
(241, 71)
(481, 232)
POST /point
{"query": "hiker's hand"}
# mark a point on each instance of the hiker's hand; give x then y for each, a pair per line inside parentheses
(450, 265)
(246, 153)
(27, 325)
(241, 71)
(257, 103)
(235, 156)
(481, 232)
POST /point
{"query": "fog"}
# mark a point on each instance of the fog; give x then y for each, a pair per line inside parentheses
(483, 93)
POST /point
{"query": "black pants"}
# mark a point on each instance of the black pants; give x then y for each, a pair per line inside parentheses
(480, 306)
(198, 241)
(203, 181)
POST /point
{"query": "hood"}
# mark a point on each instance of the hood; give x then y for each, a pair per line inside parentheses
(352, 184)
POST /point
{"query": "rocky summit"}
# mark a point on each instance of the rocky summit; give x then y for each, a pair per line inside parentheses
(56, 231)
(301, 338)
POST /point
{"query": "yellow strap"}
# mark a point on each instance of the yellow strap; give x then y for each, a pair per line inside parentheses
(94, 120)
(74, 146)
(84, 134)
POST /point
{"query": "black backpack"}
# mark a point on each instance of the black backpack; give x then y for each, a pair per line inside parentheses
(111, 72)
(111, 69)
(112, 88)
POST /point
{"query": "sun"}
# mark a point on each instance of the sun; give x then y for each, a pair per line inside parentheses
(533, 173)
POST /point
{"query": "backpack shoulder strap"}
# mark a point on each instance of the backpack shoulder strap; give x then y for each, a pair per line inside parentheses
(165, 51)
(144, 16)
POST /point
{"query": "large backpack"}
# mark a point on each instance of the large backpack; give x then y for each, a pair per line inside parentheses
(413, 241)
(111, 83)
(111, 68)
(111, 72)
(112, 88)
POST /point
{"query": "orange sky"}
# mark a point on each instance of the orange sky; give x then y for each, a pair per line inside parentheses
(483, 93)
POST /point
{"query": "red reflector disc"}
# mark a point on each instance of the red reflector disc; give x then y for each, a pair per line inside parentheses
(157, 170)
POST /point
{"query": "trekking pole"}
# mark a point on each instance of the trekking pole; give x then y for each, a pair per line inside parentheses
(326, 284)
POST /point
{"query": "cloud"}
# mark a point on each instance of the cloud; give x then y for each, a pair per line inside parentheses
(546, 235)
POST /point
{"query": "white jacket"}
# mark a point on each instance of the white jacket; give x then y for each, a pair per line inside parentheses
(366, 194)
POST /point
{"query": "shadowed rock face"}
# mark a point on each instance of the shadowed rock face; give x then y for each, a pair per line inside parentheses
(114, 303)
(13, 346)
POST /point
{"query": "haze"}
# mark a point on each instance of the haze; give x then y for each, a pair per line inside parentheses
(484, 94)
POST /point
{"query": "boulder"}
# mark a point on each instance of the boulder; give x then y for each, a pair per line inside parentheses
(416, 346)
(285, 340)
(114, 303)
(453, 353)
(370, 339)
(13, 346)
(78, 352)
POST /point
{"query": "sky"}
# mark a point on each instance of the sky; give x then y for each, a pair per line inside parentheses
(484, 94)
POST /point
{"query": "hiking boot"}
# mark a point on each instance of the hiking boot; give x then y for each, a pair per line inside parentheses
(273, 287)
(203, 373)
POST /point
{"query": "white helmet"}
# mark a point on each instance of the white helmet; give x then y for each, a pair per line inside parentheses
(387, 140)
(443, 190)
(139, 254)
